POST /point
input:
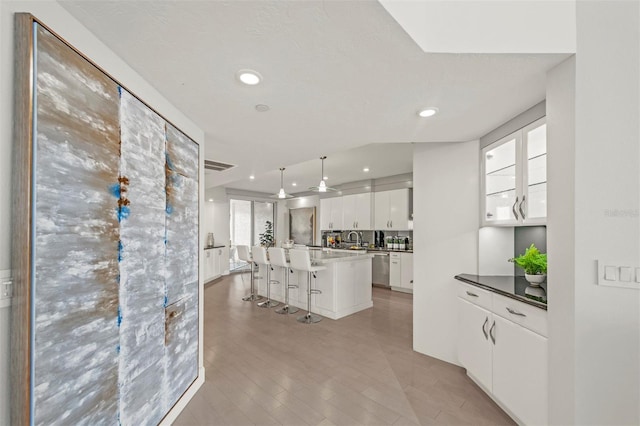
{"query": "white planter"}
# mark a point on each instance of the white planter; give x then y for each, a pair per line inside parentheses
(535, 280)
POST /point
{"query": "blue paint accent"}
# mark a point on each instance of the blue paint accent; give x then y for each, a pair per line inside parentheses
(119, 316)
(115, 190)
(169, 162)
(118, 349)
(119, 255)
(169, 209)
(166, 300)
(119, 91)
(123, 213)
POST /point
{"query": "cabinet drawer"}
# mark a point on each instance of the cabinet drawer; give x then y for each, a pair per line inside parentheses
(475, 295)
(535, 319)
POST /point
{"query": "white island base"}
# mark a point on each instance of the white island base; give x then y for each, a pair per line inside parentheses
(345, 284)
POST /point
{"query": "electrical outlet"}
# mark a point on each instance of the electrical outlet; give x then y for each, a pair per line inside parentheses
(6, 290)
(618, 274)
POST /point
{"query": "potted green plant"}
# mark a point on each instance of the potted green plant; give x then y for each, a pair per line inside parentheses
(266, 238)
(534, 264)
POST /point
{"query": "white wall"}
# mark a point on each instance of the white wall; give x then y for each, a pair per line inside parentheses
(53, 15)
(607, 177)
(446, 217)
(561, 240)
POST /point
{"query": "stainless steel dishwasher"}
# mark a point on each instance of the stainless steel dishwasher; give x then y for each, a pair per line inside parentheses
(380, 266)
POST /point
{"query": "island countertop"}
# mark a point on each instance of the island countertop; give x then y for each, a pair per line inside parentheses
(321, 257)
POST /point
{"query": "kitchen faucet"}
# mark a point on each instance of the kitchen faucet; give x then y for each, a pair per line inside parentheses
(357, 237)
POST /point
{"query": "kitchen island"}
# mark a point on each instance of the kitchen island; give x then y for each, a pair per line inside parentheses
(345, 284)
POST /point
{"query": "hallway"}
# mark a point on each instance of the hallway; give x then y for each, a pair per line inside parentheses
(265, 368)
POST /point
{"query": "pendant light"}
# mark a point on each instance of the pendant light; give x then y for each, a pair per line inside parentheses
(322, 187)
(281, 194)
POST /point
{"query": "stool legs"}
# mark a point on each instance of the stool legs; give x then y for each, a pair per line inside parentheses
(286, 309)
(310, 318)
(268, 303)
(252, 296)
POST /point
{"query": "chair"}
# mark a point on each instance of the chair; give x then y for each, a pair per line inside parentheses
(260, 257)
(301, 261)
(278, 257)
(245, 254)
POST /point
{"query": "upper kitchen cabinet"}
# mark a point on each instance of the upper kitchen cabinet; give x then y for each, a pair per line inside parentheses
(331, 212)
(514, 178)
(392, 210)
(357, 211)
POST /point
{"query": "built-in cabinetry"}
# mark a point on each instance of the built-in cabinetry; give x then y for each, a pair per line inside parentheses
(391, 210)
(401, 271)
(357, 211)
(331, 212)
(514, 178)
(212, 263)
(502, 344)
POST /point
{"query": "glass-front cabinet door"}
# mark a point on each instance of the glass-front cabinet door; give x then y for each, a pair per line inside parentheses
(500, 183)
(514, 176)
(535, 204)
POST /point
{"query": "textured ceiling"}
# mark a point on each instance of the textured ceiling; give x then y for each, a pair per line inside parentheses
(337, 75)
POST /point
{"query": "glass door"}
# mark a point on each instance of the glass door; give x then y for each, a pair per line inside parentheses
(501, 186)
(262, 213)
(535, 139)
(247, 220)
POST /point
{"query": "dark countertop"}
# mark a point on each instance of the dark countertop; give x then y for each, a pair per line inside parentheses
(214, 247)
(517, 288)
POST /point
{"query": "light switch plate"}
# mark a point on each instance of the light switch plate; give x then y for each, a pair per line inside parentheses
(618, 274)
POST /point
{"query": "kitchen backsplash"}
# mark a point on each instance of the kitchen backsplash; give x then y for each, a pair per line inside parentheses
(524, 236)
(367, 238)
(496, 245)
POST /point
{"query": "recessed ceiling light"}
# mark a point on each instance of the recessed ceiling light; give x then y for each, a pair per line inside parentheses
(211, 200)
(325, 177)
(366, 169)
(427, 112)
(249, 77)
(294, 184)
(252, 177)
(262, 108)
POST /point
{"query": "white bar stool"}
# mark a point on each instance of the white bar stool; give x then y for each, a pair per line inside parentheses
(245, 254)
(278, 257)
(260, 257)
(301, 261)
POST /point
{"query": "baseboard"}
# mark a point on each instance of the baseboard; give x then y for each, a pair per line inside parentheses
(173, 414)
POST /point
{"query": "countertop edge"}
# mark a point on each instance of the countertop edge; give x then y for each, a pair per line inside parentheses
(503, 293)
(354, 257)
(214, 247)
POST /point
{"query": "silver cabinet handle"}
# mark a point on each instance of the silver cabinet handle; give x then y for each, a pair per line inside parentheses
(356, 224)
(472, 294)
(493, 338)
(520, 207)
(391, 223)
(513, 209)
(511, 311)
(484, 328)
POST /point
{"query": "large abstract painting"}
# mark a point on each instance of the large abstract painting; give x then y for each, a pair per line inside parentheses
(302, 225)
(114, 255)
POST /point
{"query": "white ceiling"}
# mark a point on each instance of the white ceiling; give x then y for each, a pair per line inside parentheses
(337, 75)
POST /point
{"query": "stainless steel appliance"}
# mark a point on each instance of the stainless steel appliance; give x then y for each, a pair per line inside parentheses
(380, 266)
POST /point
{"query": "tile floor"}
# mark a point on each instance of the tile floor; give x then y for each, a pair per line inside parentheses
(267, 369)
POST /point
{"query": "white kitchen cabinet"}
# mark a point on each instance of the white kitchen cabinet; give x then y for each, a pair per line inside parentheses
(406, 271)
(212, 263)
(401, 271)
(331, 212)
(520, 371)
(391, 209)
(502, 354)
(394, 270)
(357, 211)
(514, 178)
(474, 346)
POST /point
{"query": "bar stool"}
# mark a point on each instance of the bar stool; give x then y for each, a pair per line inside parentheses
(260, 257)
(300, 260)
(245, 254)
(278, 257)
